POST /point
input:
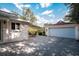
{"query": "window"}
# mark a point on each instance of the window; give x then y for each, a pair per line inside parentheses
(15, 26)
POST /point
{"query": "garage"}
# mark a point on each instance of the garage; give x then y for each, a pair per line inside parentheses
(61, 29)
(65, 32)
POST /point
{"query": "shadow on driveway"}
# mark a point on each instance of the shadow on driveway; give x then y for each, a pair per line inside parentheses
(41, 46)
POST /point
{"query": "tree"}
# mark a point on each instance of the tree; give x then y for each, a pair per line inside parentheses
(28, 15)
(73, 15)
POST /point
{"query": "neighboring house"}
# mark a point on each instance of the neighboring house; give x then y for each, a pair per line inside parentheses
(12, 28)
(63, 29)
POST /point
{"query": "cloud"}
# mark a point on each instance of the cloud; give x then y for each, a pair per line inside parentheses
(27, 5)
(47, 12)
(19, 6)
(67, 12)
(51, 15)
(37, 6)
(6, 10)
(41, 20)
(44, 5)
(60, 19)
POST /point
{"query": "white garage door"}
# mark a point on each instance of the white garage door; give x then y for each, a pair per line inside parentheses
(62, 32)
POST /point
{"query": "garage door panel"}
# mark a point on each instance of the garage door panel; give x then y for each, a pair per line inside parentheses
(62, 32)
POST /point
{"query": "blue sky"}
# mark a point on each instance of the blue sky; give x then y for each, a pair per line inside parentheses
(45, 12)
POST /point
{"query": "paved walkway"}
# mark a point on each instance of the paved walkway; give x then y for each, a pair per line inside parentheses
(41, 46)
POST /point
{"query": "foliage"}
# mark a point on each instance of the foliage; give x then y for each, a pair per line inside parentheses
(35, 30)
(41, 33)
(73, 15)
(28, 15)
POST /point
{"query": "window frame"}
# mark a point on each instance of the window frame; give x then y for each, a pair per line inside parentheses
(15, 26)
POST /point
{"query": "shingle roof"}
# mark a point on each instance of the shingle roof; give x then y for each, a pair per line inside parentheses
(11, 16)
(60, 23)
(7, 14)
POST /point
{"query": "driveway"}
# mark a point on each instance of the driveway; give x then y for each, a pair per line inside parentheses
(41, 46)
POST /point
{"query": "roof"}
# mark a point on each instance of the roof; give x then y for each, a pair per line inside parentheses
(7, 14)
(60, 23)
(20, 20)
(11, 16)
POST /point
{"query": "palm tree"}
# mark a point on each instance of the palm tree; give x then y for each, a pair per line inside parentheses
(73, 15)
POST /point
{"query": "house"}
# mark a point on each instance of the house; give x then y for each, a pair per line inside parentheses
(12, 28)
(63, 29)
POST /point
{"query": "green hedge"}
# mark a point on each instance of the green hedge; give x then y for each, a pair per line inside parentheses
(41, 33)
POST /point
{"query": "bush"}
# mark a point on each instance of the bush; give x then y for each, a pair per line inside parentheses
(32, 33)
(41, 33)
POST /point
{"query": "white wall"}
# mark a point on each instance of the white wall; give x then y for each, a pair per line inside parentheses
(24, 31)
(5, 30)
(62, 32)
(12, 35)
(77, 32)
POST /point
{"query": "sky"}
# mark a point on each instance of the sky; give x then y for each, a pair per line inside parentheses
(44, 12)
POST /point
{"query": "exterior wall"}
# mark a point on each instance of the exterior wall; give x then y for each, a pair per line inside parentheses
(66, 30)
(1, 31)
(62, 26)
(14, 35)
(77, 32)
(5, 31)
(46, 31)
(24, 31)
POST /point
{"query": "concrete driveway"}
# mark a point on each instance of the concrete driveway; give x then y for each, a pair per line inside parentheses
(41, 46)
